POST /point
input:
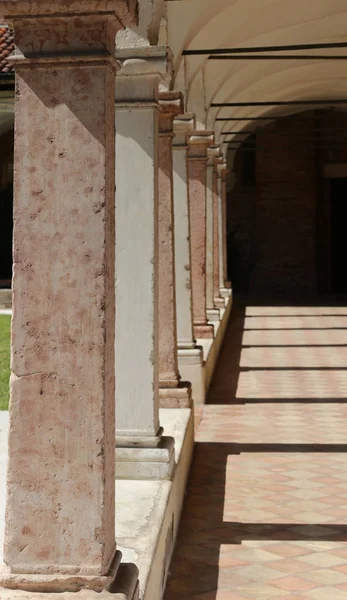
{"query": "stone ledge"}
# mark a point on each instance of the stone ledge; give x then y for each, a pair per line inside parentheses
(213, 352)
(126, 584)
(148, 512)
(82, 595)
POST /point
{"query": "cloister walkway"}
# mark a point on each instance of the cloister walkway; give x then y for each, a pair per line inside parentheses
(265, 515)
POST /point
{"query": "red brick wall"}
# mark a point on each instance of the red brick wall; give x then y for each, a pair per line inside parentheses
(285, 208)
(272, 223)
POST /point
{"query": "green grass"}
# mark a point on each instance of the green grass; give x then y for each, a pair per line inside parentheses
(5, 326)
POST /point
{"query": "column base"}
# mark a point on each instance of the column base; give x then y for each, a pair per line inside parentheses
(59, 582)
(191, 345)
(213, 315)
(142, 461)
(177, 397)
(214, 318)
(226, 293)
(204, 331)
(219, 303)
(124, 587)
(204, 335)
(191, 366)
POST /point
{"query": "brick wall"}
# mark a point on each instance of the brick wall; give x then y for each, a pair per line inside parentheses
(272, 221)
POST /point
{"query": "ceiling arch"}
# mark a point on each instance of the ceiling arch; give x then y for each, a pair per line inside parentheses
(249, 23)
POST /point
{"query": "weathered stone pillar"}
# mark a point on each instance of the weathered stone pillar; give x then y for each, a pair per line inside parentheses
(209, 231)
(60, 513)
(225, 285)
(219, 301)
(185, 335)
(141, 452)
(190, 358)
(199, 141)
(213, 314)
(171, 392)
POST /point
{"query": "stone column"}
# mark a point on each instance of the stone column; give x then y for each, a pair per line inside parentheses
(199, 141)
(213, 314)
(190, 358)
(225, 285)
(141, 452)
(219, 301)
(60, 512)
(172, 393)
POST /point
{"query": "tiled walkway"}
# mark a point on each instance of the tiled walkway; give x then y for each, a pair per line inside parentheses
(265, 515)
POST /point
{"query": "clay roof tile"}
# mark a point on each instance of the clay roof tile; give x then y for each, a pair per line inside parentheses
(6, 48)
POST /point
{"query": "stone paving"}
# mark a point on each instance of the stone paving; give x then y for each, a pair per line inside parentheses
(265, 515)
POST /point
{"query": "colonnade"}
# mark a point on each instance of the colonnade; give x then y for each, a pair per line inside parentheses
(116, 304)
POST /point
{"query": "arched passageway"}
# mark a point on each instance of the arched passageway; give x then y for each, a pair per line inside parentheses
(265, 513)
(258, 522)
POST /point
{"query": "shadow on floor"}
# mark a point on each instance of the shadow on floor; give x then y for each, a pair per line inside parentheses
(205, 529)
(219, 543)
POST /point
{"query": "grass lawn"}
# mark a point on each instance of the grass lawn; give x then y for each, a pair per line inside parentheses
(5, 325)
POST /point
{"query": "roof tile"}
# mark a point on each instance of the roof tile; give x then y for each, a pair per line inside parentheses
(6, 48)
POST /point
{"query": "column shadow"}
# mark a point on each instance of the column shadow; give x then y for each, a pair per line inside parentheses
(196, 564)
(206, 530)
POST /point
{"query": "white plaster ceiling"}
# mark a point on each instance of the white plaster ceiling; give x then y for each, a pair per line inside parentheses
(201, 24)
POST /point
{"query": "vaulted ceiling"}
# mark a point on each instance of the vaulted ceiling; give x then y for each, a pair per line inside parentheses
(214, 24)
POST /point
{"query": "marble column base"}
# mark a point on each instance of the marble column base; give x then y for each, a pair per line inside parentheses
(204, 331)
(176, 397)
(123, 586)
(219, 303)
(140, 460)
(214, 318)
(59, 582)
(191, 366)
(225, 292)
(213, 315)
(207, 343)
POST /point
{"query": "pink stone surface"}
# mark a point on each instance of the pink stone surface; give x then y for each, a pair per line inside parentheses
(224, 208)
(125, 9)
(216, 293)
(60, 487)
(168, 367)
(197, 215)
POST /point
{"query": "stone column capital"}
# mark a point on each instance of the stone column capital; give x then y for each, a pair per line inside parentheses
(61, 32)
(171, 105)
(213, 154)
(140, 73)
(125, 10)
(198, 143)
(183, 124)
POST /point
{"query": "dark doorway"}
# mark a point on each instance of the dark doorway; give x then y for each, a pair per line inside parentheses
(338, 235)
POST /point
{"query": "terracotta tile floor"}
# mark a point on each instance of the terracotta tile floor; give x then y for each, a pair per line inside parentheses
(265, 515)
